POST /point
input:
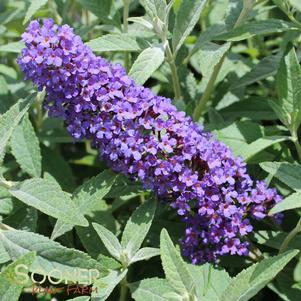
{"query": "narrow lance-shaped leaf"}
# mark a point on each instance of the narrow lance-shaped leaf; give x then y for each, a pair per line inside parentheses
(47, 196)
(291, 202)
(289, 91)
(10, 284)
(145, 254)
(34, 6)
(289, 174)
(186, 18)
(115, 42)
(250, 281)
(148, 61)
(106, 285)
(51, 256)
(152, 289)
(155, 8)
(26, 149)
(13, 47)
(137, 227)
(110, 241)
(260, 27)
(175, 270)
(85, 198)
(10, 119)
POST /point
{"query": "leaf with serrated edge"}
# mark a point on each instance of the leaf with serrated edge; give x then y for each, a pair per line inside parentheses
(10, 119)
(176, 272)
(137, 227)
(50, 255)
(289, 174)
(289, 89)
(250, 281)
(110, 241)
(152, 289)
(86, 196)
(47, 196)
(291, 202)
(26, 149)
(10, 285)
(148, 61)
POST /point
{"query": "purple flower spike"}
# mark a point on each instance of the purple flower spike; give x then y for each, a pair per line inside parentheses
(144, 137)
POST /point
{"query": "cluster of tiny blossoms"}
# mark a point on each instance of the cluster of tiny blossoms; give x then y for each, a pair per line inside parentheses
(144, 137)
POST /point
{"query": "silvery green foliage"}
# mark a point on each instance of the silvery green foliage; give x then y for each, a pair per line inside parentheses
(62, 208)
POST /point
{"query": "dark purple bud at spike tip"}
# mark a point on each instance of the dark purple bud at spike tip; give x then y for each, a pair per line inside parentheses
(144, 137)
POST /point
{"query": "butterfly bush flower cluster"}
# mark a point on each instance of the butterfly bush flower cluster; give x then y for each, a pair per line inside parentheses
(144, 137)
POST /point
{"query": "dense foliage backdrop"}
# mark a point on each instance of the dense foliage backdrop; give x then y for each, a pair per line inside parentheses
(231, 64)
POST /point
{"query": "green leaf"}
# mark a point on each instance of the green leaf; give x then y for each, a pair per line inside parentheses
(47, 196)
(24, 218)
(86, 197)
(289, 174)
(265, 68)
(110, 241)
(115, 42)
(152, 289)
(295, 3)
(50, 255)
(249, 150)
(106, 285)
(155, 8)
(210, 55)
(10, 285)
(289, 90)
(100, 9)
(137, 227)
(255, 108)
(4, 256)
(10, 119)
(26, 149)
(148, 61)
(250, 281)
(55, 164)
(291, 202)
(14, 47)
(34, 6)
(186, 18)
(260, 27)
(210, 282)
(275, 239)
(145, 254)
(175, 270)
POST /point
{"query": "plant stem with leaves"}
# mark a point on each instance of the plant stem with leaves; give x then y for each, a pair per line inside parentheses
(247, 7)
(297, 144)
(290, 237)
(174, 73)
(123, 289)
(126, 8)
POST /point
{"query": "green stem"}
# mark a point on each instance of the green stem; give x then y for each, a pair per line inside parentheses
(248, 4)
(290, 236)
(209, 88)
(123, 289)
(126, 8)
(297, 144)
(174, 73)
